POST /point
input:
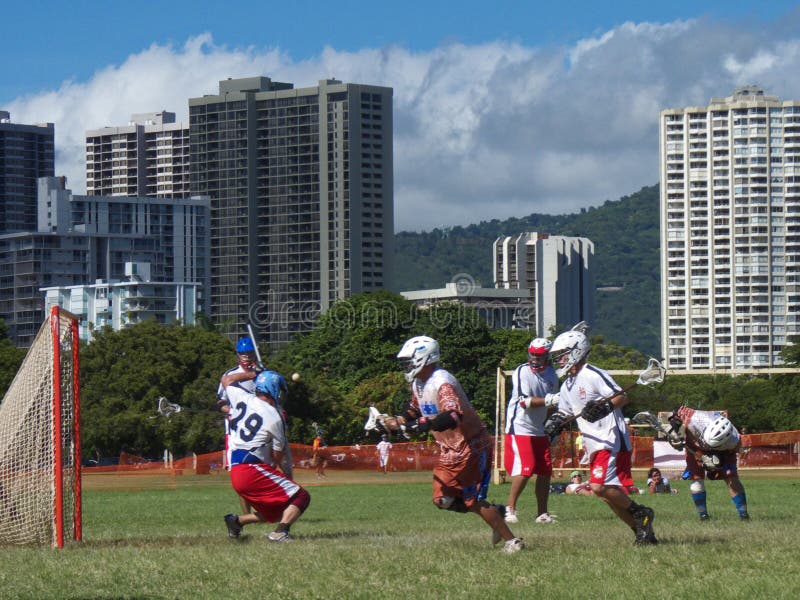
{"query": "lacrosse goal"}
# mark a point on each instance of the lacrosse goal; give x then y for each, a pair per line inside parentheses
(40, 468)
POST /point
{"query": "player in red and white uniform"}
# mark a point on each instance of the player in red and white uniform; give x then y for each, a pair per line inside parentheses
(439, 404)
(713, 443)
(258, 442)
(247, 363)
(383, 448)
(527, 447)
(595, 397)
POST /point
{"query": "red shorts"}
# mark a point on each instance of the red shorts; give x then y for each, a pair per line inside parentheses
(527, 455)
(266, 488)
(607, 468)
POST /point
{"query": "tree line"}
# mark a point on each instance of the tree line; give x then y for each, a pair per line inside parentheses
(347, 363)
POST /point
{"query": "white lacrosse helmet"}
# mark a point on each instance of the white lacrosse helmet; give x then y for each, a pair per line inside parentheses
(568, 349)
(416, 353)
(720, 434)
(538, 353)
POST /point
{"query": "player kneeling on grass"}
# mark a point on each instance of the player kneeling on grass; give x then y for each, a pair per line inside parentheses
(438, 404)
(712, 443)
(592, 395)
(258, 442)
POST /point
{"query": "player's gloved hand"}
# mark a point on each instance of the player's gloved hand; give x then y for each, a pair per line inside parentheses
(675, 421)
(676, 441)
(554, 425)
(597, 410)
(421, 425)
(523, 402)
(710, 462)
(551, 400)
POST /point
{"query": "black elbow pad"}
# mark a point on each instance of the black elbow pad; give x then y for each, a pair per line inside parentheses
(444, 421)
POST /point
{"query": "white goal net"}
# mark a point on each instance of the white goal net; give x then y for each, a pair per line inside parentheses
(40, 496)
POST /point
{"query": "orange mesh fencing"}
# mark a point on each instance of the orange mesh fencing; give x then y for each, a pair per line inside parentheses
(780, 449)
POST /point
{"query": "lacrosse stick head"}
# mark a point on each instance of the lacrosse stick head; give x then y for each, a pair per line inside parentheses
(166, 408)
(373, 419)
(646, 418)
(654, 373)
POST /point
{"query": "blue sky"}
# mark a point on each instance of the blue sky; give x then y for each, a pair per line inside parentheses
(501, 108)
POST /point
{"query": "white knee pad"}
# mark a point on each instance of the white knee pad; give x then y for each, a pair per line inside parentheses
(697, 487)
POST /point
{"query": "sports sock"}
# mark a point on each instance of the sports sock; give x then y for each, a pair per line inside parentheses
(740, 502)
(699, 499)
(282, 527)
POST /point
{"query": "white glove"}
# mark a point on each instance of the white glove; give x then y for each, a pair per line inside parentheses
(523, 402)
(551, 400)
(710, 462)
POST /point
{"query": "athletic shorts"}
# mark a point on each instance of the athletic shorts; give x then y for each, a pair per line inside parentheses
(727, 462)
(607, 468)
(527, 455)
(467, 479)
(267, 489)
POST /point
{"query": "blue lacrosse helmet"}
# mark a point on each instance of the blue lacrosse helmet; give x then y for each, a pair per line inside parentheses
(272, 384)
(245, 344)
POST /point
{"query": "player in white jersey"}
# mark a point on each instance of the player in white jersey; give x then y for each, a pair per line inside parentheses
(383, 448)
(247, 363)
(527, 448)
(591, 394)
(258, 442)
(713, 443)
(463, 469)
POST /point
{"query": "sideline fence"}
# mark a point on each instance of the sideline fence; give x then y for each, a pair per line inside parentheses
(761, 450)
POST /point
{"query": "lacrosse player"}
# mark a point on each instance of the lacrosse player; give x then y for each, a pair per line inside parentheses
(527, 448)
(438, 404)
(247, 363)
(258, 443)
(592, 395)
(382, 449)
(712, 443)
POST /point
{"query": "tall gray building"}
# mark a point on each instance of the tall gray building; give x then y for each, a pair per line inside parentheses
(147, 157)
(26, 153)
(558, 270)
(81, 239)
(301, 188)
(730, 219)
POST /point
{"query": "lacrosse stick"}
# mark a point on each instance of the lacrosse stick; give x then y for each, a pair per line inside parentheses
(709, 461)
(255, 345)
(374, 419)
(166, 408)
(654, 373)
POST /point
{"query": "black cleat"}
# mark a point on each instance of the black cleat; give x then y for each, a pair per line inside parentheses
(643, 520)
(233, 525)
(704, 516)
(744, 516)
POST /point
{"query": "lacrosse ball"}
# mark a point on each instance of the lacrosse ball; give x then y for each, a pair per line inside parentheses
(295, 376)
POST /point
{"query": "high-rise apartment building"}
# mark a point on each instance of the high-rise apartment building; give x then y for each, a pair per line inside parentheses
(26, 153)
(558, 270)
(301, 188)
(730, 231)
(147, 157)
(82, 239)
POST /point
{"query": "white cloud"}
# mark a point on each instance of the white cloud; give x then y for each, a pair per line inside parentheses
(486, 131)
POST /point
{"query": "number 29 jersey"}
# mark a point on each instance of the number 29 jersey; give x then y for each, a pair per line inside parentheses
(255, 425)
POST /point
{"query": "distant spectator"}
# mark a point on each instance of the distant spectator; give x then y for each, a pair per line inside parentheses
(577, 486)
(658, 484)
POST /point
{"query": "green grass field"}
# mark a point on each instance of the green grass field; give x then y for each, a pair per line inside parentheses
(379, 539)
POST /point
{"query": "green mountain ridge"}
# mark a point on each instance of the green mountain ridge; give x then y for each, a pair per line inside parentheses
(626, 237)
